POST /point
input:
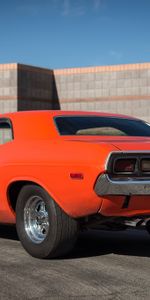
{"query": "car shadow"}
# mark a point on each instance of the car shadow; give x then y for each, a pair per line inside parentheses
(96, 243)
(8, 232)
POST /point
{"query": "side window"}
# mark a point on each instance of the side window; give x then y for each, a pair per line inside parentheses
(6, 134)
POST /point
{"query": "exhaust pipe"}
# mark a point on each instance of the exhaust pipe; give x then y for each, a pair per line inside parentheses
(135, 223)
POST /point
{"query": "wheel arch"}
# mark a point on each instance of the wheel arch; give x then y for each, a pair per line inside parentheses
(15, 187)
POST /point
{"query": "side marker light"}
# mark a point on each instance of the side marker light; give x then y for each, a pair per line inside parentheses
(77, 176)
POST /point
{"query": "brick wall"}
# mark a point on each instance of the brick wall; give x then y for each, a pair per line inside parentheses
(8, 88)
(120, 89)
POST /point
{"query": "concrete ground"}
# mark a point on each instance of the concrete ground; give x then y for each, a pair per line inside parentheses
(103, 265)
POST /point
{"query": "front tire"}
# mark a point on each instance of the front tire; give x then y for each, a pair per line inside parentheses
(44, 229)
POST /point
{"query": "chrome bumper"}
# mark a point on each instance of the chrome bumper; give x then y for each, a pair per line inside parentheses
(106, 186)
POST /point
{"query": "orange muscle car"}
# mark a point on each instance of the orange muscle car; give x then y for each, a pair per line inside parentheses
(66, 171)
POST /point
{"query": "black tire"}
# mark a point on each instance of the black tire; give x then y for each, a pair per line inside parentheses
(62, 229)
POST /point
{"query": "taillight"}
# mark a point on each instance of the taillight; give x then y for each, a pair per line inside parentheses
(124, 165)
(145, 165)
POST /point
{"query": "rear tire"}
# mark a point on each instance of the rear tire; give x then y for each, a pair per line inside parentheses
(44, 229)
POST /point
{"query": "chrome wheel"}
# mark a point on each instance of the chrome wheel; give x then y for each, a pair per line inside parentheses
(36, 219)
(43, 228)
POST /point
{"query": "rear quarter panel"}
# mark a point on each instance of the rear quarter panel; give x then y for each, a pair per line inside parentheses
(49, 164)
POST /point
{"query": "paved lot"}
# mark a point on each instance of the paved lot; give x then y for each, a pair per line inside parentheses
(103, 265)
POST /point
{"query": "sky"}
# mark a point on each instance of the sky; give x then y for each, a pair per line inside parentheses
(74, 33)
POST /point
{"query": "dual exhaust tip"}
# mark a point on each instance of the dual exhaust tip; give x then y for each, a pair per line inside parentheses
(138, 223)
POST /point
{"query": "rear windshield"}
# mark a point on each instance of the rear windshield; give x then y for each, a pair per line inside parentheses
(101, 126)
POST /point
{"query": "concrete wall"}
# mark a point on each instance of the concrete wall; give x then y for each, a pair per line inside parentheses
(8, 88)
(120, 89)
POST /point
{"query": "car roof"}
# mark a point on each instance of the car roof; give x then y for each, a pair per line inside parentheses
(40, 124)
(55, 113)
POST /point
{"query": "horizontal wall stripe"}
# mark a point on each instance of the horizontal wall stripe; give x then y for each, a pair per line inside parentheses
(109, 98)
(5, 67)
(83, 70)
(68, 71)
(16, 66)
(112, 68)
(28, 99)
(8, 98)
(94, 99)
(34, 69)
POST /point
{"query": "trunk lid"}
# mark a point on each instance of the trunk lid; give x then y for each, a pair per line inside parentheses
(121, 143)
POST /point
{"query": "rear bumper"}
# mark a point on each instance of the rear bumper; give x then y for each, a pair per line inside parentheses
(106, 186)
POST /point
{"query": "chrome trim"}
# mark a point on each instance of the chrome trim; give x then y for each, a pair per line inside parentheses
(106, 186)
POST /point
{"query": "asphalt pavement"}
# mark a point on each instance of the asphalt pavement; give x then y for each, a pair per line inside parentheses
(103, 265)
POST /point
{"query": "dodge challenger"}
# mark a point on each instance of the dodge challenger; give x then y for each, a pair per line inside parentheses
(62, 172)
